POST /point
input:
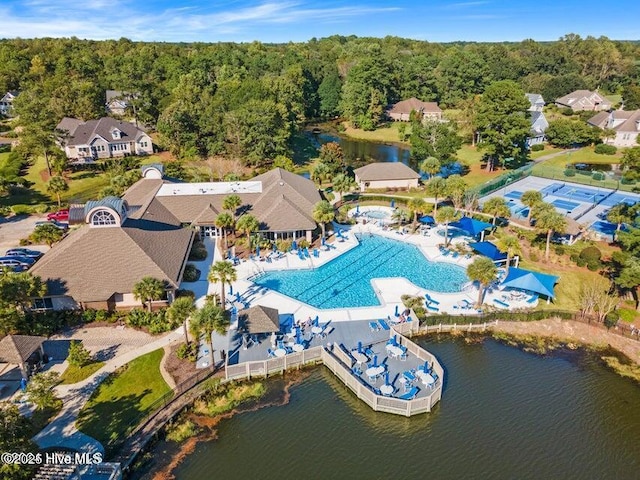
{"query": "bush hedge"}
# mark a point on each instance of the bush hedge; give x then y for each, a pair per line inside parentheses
(604, 149)
(198, 251)
(570, 172)
(529, 316)
(538, 147)
(191, 273)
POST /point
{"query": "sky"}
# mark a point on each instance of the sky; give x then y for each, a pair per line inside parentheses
(300, 20)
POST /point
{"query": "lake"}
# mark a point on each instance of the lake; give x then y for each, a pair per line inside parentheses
(504, 414)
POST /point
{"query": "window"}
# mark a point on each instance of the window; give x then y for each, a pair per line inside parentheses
(42, 304)
(103, 217)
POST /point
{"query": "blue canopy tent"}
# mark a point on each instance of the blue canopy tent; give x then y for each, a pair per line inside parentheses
(427, 220)
(532, 281)
(488, 249)
(471, 226)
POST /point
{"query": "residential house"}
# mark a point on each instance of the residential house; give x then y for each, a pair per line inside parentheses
(401, 111)
(6, 103)
(86, 142)
(118, 102)
(539, 123)
(626, 125)
(386, 175)
(584, 100)
(149, 232)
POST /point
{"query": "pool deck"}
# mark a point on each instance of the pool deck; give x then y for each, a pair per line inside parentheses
(388, 290)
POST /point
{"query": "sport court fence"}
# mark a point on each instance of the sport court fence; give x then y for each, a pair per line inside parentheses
(503, 180)
(557, 173)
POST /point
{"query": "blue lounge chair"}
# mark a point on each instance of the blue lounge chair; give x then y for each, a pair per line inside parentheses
(374, 327)
(455, 255)
(409, 376)
(410, 395)
(501, 303)
(433, 308)
(383, 324)
(430, 299)
(270, 353)
(533, 298)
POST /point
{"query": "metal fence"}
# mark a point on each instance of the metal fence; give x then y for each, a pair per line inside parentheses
(501, 181)
(584, 177)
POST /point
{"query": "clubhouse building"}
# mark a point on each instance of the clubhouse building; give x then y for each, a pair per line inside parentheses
(150, 231)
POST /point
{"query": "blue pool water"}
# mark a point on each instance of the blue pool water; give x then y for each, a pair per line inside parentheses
(346, 281)
(378, 214)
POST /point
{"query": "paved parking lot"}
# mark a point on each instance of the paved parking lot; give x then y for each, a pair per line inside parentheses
(13, 229)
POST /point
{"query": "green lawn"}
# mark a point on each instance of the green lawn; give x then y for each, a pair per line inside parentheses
(75, 374)
(548, 150)
(117, 406)
(385, 133)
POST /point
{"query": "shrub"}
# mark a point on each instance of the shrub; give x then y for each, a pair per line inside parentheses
(191, 273)
(591, 254)
(187, 352)
(78, 356)
(559, 249)
(597, 176)
(89, 315)
(570, 172)
(593, 266)
(303, 243)
(138, 318)
(534, 257)
(283, 245)
(604, 149)
(183, 292)
(566, 111)
(611, 320)
(581, 262)
(40, 208)
(538, 147)
(198, 251)
(102, 316)
(21, 209)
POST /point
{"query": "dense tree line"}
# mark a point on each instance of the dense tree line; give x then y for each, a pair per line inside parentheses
(248, 99)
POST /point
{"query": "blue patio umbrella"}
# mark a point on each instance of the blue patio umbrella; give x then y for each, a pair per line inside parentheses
(23, 384)
(386, 377)
(359, 347)
(375, 360)
(393, 203)
(230, 289)
(298, 339)
(397, 314)
(357, 209)
(258, 250)
(323, 241)
(294, 245)
(426, 366)
(234, 310)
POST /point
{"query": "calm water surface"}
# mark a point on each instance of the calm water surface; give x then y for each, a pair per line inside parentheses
(505, 414)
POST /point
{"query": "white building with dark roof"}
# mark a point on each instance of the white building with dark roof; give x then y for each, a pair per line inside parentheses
(626, 124)
(86, 142)
(386, 175)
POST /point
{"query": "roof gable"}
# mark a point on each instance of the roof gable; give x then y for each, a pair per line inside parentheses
(385, 171)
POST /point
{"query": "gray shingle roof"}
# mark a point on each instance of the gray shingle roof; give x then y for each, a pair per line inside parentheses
(68, 125)
(627, 120)
(18, 348)
(259, 319)
(413, 104)
(385, 171)
(584, 99)
(85, 132)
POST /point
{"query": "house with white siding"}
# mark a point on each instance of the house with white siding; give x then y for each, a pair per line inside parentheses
(626, 124)
(6, 103)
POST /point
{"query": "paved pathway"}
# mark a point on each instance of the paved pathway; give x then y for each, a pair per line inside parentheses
(62, 432)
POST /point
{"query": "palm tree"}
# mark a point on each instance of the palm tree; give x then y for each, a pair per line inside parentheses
(248, 224)
(496, 207)
(483, 271)
(231, 203)
(446, 215)
(149, 289)
(511, 246)
(223, 272)
(342, 183)
(620, 214)
(320, 173)
(323, 213)
(456, 189)
(530, 199)
(224, 221)
(47, 233)
(437, 188)
(416, 205)
(179, 312)
(57, 185)
(210, 318)
(550, 221)
(430, 165)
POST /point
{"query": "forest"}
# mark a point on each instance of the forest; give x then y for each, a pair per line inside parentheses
(248, 100)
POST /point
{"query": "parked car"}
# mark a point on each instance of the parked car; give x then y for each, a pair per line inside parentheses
(13, 263)
(59, 216)
(23, 252)
(55, 223)
(23, 260)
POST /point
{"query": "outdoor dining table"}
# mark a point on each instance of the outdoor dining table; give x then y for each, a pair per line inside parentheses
(316, 330)
(386, 389)
(280, 352)
(359, 356)
(374, 371)
(426, 378)
(394, 350)
(297, 347)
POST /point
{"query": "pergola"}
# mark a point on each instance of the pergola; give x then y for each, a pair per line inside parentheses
(18, 349)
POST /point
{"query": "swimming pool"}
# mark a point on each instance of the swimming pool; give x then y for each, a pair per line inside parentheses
(346, 281)
(377, 214)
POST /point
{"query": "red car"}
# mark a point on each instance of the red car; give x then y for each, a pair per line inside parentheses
(59, 216)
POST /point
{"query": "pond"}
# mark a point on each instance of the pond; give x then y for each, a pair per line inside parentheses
(504, 414)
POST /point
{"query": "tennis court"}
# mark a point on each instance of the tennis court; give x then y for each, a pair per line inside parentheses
(516, 195)
(619, 197)
(565, 205)
(571, 191)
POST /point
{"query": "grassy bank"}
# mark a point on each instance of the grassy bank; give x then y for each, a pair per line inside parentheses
(222, 398)
(75, 374)
(388, 132)
(121, 400)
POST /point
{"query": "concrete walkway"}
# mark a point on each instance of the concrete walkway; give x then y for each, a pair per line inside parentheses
(62, 431)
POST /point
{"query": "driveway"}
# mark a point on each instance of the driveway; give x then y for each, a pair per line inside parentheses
(14, 229)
